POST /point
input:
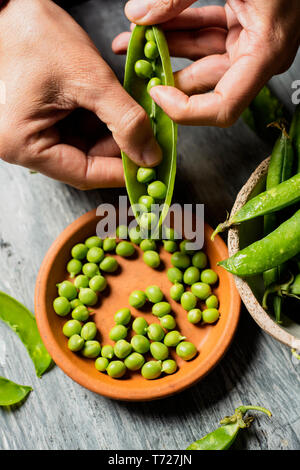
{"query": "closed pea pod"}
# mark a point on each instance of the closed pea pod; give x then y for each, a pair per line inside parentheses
(12, 393)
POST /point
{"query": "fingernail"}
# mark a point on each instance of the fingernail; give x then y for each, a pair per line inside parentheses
(136, 9)
(152, 153)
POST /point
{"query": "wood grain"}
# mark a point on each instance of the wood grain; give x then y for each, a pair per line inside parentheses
(59, 414)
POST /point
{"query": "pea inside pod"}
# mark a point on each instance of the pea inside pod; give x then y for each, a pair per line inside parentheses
(141, 69)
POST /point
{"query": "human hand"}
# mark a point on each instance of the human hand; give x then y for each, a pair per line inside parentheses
(59, 94)
(236, 50)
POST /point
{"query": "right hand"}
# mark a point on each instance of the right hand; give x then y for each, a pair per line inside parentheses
(50, 69)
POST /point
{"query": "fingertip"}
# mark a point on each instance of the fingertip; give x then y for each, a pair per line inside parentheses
(152, 154)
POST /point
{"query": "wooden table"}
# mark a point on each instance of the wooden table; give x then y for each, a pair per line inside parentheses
(60, 414)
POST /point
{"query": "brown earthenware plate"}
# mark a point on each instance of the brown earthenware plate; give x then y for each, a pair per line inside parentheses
(211, 341)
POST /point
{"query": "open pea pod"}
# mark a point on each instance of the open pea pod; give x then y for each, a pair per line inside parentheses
(12, 393)
(165, 130)
(22, 322)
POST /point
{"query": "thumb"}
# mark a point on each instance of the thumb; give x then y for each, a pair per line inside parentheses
(154, 11)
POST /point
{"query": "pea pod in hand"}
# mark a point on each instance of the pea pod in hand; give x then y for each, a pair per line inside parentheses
(23, 323)
(12, 393)
(223, 437)
(147, 66)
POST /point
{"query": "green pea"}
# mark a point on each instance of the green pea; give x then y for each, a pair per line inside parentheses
(93, 241)
(210, 315)
(79, 251)
(140, 326)
(116, 369)
(145, 175)
(81, 281)
(67, 289)
(148, 245)
(90, 270)
(72, 327)
(151, 370)
(98, 283)
(109, 264)
(188, 301)
(123, 316)
(149, 34)
(140, 344)
(168, 322)
(155, 81)
(183, 247)
(80, 313)
(212, 301)
(125, 249)
(157, 189)
(95, 255)
(61, 306)
(180, 260)
(170, 246)
(87, 296)
(154, 294)
(194, 316)
(199, 260)
(148, 220)
(161, 309)
(122, 349)
(155, 332)
(173, 338)
(186, 350)
(91, 349)
(159, 351)
(134, 361)
(74, 267)
(143, 69)
(191, 275)
(121, 232)
(75, 343)
(101, 364)
(107, 351)
(118, 332)
(201, 290)
(75, 303)
(176, 291)
(209, 276)
(146, 202)
(135, 235)
(151, 50)
(137, 298)
(169, 366)
(89, 331)
(109, 244)
(151, 258)
(174, 275)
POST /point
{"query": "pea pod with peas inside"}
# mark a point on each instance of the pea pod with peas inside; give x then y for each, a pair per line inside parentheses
(148, 63)
(223, 437)
(23, 323)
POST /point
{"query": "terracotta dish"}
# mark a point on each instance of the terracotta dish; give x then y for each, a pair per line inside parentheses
(212, 341)
(251, 290)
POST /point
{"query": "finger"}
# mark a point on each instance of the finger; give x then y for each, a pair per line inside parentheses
(233, 93)
(202, 75)
(125, 118)
(189, 44)
(154, 11)
(106, 146)
(72, 166)
(195, 18)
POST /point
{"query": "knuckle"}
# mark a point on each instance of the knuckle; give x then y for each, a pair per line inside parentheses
(133, 120)
(167, 6)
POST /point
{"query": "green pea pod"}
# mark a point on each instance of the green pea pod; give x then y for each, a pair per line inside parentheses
(22, 322)
(263, 110)
(164, 128)
(276, 248)
(223, 437)
(275, 199)
(295, 136)
(12, 393)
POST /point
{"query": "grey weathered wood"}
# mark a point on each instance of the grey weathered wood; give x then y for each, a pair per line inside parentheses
(60, 414)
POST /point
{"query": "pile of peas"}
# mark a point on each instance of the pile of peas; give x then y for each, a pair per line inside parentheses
(156, 190)
(191, 280)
